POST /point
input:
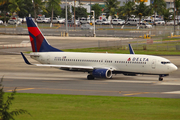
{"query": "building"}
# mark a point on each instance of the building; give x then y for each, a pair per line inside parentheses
(169, 3)
(83, 3)
(122, 2)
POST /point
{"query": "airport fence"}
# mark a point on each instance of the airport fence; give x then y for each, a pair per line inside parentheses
(134, 36)
(101, 30)
(142, 44)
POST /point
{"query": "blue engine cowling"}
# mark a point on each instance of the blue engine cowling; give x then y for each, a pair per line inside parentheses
(102, 73)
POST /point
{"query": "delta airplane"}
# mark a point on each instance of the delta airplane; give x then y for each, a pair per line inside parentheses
(97, 65)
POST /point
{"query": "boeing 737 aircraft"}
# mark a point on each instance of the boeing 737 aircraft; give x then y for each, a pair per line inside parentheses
(97, 65)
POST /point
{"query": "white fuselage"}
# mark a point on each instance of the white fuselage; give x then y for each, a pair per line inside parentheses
(133, 63)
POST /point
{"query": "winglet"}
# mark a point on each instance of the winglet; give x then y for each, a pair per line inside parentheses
(25, 59)
(131, 49)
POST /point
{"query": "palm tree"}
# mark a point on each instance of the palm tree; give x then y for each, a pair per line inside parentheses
(111, 7)
(127, 10)
(16, 6)
(166, 14)
(25, 11)
(53, 4)
(38, 6)
(177, 6)
(4, 7)
(142, 10)
(158, 6)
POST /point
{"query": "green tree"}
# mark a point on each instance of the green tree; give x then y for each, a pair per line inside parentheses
(97, 10)
(142, 10)
(68, 13)
(111, 7)
(5, 114)
(177, 6)
(80, 12)
(166, 15)
(127, 10)
(158, 6)
(29, 9)
(38, 7)
(4, 7)
(53, 4)
(17, 6)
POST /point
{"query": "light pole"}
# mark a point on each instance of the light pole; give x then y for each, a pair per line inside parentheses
(94, 34)
(66, 34)
(74, 16)
(174, 18)
(90, 10)
(34, 10)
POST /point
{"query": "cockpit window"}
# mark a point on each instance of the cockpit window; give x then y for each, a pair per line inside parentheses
(165, 62)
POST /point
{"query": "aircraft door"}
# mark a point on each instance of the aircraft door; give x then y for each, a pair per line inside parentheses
(153, 64)
(48, 59)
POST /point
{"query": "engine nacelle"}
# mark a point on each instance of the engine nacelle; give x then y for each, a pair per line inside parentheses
(102, 73)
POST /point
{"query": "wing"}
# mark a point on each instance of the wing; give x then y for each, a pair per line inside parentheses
(66, 67)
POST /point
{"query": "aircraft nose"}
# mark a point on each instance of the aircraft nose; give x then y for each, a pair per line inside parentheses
(174, 68)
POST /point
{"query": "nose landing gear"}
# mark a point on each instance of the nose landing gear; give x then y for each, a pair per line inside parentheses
(161, 77)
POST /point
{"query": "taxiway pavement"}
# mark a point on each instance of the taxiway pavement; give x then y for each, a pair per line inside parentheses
(32, 79)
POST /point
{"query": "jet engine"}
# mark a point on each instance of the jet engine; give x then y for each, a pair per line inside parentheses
(102, 73)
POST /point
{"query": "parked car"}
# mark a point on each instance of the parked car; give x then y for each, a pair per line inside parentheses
(58, 20)
(71, 22)
(87, 27)
(133, 21)
(98, 22)
(1, 22)
(83, 20)
(61, 20)
(144, 25)
(13, 22)
(150, 21)
(42, 20)
(105, 22)
(160, 22)
(118, 22)
(171, 22)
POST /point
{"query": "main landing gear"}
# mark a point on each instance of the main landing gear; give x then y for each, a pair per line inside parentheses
(90, 77)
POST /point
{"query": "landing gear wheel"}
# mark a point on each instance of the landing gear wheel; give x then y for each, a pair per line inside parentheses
(160, 78)
(90, 77)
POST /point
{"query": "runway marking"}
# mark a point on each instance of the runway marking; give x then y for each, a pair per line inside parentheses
(125, 93)
(78, 90)
(172, 92)
(129, 81)
(136, 93)
(98, 83)
(22, 89)
(168, 83)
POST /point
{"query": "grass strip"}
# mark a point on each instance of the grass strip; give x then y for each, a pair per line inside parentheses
(121, 51)
(81, 107)
(149, 49)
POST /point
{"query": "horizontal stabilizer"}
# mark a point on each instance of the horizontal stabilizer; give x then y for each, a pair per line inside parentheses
(25, 59)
